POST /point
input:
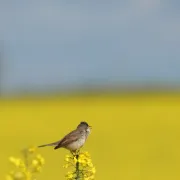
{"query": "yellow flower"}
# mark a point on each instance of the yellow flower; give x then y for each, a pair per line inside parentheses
(85, 170)
(28, 175)
(15, 161)
(66, 166)
(8, 177)
(82, 161)
(75, 160)
(86, 178)
(32, 149)
(40, 159)
(18, 176)
(70, 175)
(35, 162)
(87, 154)
(24, 169)
(90, 164)
(67, 159)
(68, 156)
(38, 169)
(82, 156)
(93, 170)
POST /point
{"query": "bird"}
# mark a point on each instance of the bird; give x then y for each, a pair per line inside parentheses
(74, 140)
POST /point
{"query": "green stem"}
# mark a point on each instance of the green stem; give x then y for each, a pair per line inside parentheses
(25, 154)
(77, 168)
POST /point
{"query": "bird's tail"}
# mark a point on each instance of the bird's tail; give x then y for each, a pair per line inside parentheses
(51, 144)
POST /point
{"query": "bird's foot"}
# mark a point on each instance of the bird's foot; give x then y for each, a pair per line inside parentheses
(75, 153)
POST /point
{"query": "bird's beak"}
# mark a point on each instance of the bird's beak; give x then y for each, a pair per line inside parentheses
(90, 127)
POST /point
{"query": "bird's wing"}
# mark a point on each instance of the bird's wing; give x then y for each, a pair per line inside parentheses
(69, 138)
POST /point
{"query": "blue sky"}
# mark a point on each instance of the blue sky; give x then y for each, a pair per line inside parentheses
(61, 43)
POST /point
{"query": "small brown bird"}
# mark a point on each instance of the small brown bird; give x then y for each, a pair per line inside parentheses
(74, 140)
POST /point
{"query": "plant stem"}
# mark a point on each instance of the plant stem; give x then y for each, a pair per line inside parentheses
(25, 154)
(77, 168)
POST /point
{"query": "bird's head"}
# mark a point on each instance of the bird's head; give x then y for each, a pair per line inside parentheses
(84, 125)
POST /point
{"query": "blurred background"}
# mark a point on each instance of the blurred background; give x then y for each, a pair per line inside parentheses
(114, 64)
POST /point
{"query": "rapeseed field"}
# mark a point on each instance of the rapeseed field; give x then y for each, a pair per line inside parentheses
(134, 137)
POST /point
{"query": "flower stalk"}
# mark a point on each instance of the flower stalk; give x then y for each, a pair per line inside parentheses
(81, 166)
(77, 168)
(27, 167)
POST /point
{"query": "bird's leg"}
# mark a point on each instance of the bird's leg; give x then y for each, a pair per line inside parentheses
(72, 152)
(77, 151)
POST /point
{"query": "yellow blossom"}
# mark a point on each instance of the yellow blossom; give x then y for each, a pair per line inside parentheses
(66, 166)
(93, 170)
(32, 149)
(40, 159)
(19, 176)
(27, 166)
(75, 160)
(15, 161)
(8, 177)
(70, 175)
(35, 162)
(81, 165)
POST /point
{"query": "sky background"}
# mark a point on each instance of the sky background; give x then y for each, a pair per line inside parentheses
(64, 43)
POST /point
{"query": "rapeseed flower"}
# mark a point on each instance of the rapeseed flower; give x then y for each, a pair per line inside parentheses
(27, 167)
(81, 166)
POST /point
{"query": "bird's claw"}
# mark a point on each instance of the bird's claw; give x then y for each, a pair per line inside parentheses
(75, 153)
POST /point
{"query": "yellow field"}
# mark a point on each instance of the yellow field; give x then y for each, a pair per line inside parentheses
(133, 137)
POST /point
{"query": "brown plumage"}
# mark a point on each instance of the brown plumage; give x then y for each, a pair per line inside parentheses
(74, 140)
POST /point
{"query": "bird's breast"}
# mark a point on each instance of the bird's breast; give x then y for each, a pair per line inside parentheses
(76, 144)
